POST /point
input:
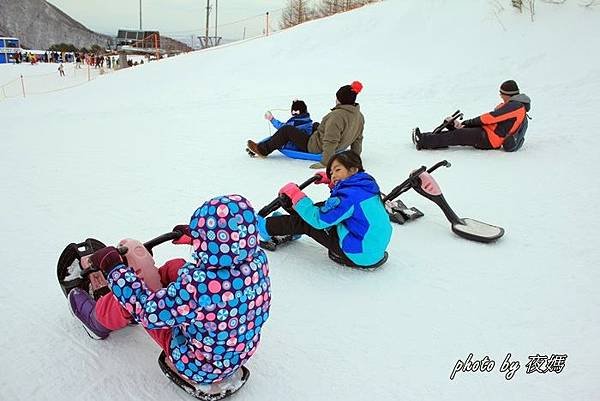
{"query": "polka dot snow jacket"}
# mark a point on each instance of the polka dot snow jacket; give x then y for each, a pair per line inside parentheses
(217, 305)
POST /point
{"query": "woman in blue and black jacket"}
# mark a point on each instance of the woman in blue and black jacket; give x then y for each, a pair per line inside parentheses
(352, 223)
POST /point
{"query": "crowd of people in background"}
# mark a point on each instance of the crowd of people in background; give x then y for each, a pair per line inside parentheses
(80, 59)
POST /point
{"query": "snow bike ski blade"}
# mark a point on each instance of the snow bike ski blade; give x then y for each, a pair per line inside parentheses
(476, 230)
(340, 261)
(206, 392)
(275, 242)
(69, 269)
(399, 213)
(470, 229)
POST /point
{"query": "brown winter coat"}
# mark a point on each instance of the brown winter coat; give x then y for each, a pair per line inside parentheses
(341, 128)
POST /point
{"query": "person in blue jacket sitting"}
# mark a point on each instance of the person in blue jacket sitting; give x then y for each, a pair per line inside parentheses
(300, 121)
(352, 223)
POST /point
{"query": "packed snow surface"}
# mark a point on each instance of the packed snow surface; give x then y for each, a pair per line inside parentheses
(133, 153)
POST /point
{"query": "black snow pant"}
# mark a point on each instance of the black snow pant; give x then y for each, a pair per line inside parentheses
(284, 135)
(293, 224)
(475, 137)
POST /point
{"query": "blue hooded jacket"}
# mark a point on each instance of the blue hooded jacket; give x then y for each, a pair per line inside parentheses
(356, 210)
(217, 306)
(302, 121)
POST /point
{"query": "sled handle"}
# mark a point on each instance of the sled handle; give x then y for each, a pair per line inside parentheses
(161, 239)
(454, 116)
(278, 202)
(411, 182)
(443, 163)
(404, 186)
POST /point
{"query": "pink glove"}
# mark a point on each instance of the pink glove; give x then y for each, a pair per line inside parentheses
(292, 191)
(186, 235)
(323, 179)
(268, 116)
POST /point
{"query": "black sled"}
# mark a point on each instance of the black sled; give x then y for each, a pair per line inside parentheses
(211, 392)
(423, 183)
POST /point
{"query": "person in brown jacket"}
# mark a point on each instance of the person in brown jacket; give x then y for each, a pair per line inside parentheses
(341, 128)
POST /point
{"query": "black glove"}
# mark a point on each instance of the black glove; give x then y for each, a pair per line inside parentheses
(106, 259)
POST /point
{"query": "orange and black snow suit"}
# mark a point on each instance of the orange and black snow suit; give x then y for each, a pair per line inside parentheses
(505, 120)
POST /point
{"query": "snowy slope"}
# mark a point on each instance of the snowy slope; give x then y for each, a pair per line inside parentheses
(134, 153)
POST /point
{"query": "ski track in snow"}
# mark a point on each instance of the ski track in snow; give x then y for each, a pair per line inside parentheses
(133, 153)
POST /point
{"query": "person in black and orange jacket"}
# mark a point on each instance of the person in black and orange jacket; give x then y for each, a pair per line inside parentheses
(488, 131)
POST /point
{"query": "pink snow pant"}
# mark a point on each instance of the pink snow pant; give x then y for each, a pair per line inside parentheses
(113, 316)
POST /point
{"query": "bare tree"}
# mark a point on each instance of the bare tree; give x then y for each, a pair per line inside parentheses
(296, 12)
(518, 4)
(528, 5)
(330, 7)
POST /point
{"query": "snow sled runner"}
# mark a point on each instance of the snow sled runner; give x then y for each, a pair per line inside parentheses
(424, 184)
(206, 392)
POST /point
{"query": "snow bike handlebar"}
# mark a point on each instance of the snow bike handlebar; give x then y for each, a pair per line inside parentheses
(457, 114)
(413, 180)
(161, 239)
(279, 201)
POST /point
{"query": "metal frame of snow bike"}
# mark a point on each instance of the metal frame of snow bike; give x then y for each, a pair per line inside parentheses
(446, 123)
(90, 278)
(282, 200)
(467, 228)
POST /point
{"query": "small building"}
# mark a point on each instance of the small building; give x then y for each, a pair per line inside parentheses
(8, 48)
(138, 39)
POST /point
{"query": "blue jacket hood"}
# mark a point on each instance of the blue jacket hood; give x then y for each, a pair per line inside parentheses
(360, 180)
(224, 231)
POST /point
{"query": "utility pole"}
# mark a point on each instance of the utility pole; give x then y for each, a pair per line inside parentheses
(216, 17)
(207, 21)
(140, 15)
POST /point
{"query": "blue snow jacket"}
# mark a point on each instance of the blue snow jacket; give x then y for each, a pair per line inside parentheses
(217, 306)
(357, 212)
(302, 121)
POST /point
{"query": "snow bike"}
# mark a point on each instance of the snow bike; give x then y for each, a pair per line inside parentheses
(424, 184)
(448, 123)
(284, 202)
(74, 270)
(445, 124)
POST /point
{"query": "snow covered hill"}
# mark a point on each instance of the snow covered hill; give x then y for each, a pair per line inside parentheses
(39, 25)
(133, 153)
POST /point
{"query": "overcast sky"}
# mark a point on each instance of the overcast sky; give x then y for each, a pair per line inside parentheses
(173, 17)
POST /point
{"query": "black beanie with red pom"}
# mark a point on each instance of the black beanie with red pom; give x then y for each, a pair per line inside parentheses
(347, 93)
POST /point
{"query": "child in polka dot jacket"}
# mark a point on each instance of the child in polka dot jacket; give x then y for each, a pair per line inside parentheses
(209, 318)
